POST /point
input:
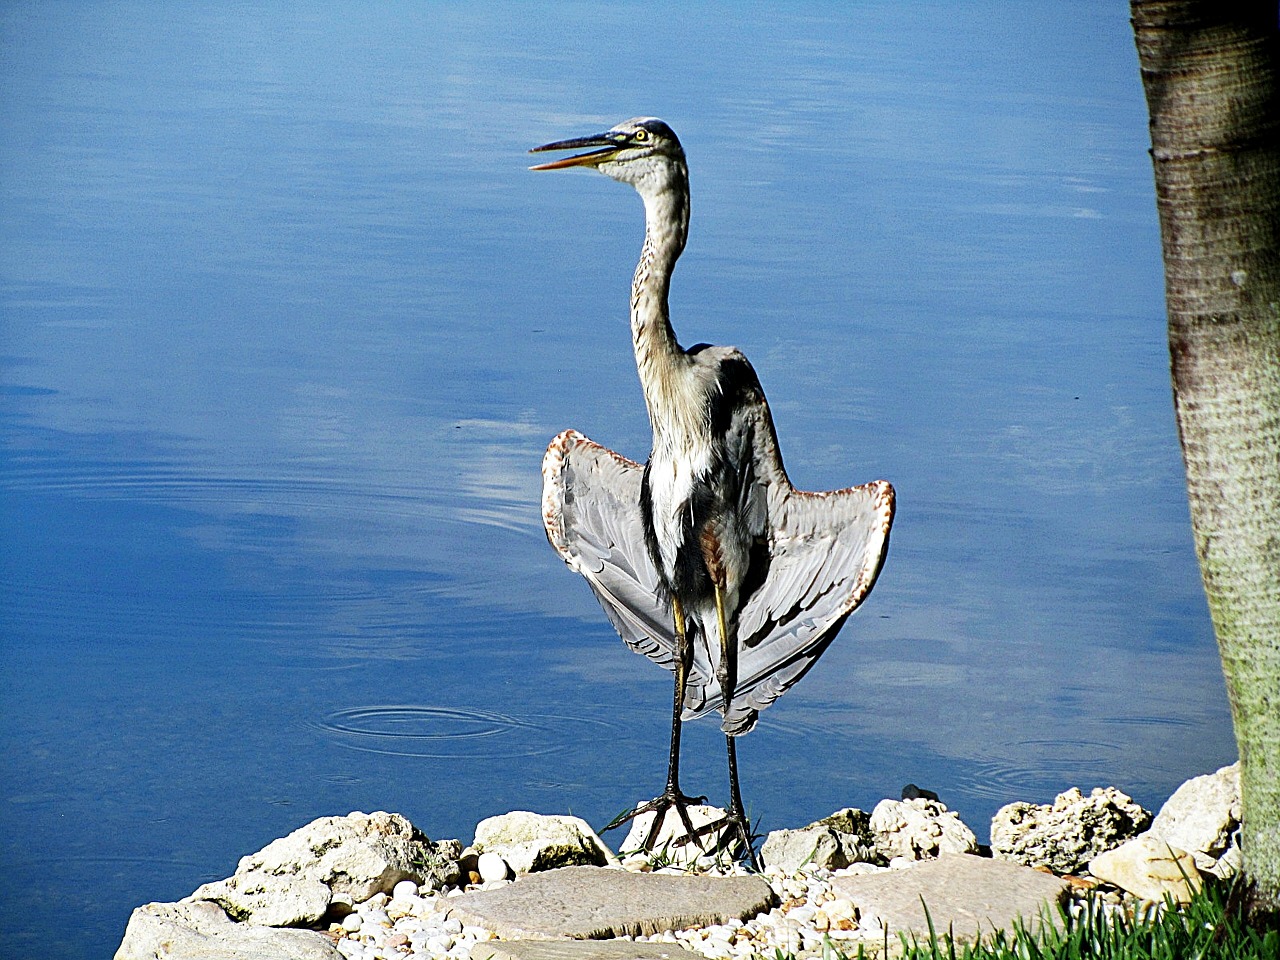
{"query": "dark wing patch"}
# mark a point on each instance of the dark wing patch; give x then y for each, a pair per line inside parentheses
(824, 552)
(591, 511)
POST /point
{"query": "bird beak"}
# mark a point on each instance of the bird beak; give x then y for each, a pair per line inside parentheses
(607, 147)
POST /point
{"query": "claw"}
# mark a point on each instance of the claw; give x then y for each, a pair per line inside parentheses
(659, 807)
(739, 825)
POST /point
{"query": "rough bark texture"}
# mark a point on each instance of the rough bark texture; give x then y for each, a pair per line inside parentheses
(1211, 71)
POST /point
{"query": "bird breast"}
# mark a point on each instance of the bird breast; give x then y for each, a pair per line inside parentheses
(684, 448)
(674, 471)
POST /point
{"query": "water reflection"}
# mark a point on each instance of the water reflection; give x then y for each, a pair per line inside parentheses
(287, 326)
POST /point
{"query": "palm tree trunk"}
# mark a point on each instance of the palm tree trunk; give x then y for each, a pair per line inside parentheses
(1211, 71)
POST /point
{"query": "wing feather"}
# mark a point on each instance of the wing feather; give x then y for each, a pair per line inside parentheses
(591, 511)
(825, 551)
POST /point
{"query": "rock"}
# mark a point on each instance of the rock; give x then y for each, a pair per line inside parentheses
(404, 890)
(530, 842)
(491, 867)
(593, 903)
(963, 894)
(291, 881)
(831, 843)
(269, 900)
(717, 845)
(202, 931)
(919, 829)
(1203, 818)
(580, 950)
(912, 792)
(1148, 867)
(1067, 834)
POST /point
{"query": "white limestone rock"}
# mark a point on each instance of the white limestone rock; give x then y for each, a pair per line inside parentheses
(919, 829)
(720, 844)
(1203, 818)
(291, 881)
(202, 931)
(1149, 867)
(530, 842)
(268, 900)
(831, 843)
(1067, 834)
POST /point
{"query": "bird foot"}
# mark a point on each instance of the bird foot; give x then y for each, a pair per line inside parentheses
(701, 834)
(659, 807)
(732, 830)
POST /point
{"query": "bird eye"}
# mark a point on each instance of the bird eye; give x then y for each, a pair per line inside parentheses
(640, 136)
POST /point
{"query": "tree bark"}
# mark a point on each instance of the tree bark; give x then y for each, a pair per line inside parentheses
(1211, 72)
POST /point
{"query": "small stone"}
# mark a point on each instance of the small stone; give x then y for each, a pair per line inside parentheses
(400, 907)
(404, 890)
(492, 867)
(802, 914)
(841, 909)
(352, 922)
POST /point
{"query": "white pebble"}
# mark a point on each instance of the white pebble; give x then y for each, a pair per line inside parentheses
(841, 909)
(803, 913)
(404, 890)
(351, 922)
(491, 867)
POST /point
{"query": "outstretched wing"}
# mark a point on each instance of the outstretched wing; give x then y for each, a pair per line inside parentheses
(824, 552)
(591, 510)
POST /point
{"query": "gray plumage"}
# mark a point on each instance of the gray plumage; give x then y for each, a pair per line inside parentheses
(825, 552)
(712, 516)
(705, 559)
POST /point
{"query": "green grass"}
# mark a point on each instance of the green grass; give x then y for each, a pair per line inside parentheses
(1200, 931)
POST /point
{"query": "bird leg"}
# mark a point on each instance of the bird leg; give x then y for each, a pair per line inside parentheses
(727, 677)
(671, 797)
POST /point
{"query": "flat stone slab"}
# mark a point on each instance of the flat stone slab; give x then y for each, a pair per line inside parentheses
(580, 950)
(596, 903)
(966, 895)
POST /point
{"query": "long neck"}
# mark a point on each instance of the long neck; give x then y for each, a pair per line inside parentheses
(658, 354)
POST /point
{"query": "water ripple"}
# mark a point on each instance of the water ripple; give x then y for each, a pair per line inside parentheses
(1032, 767)
(450, 733)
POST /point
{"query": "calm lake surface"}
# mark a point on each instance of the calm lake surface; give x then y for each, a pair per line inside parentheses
(287, 325)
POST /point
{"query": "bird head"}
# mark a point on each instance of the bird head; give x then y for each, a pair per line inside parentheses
(643, 152)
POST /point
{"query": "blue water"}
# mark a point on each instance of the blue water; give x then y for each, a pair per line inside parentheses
(287, 325)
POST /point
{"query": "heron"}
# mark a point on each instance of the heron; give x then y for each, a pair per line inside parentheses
(705, 558)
